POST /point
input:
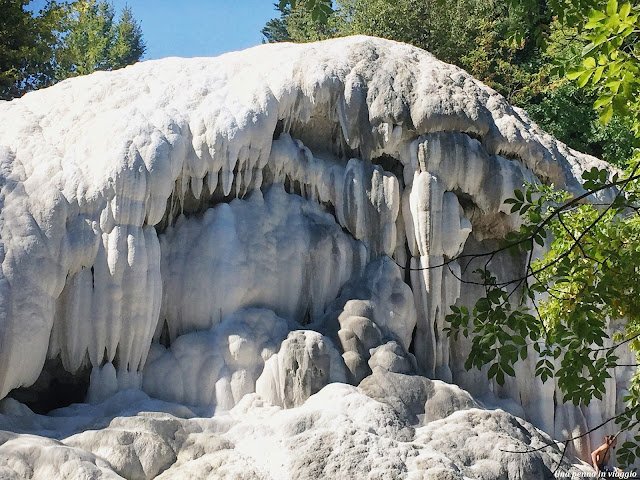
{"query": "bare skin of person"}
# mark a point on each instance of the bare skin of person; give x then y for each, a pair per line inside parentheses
(601, 455)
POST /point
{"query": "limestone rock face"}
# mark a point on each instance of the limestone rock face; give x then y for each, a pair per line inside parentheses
(340, 432)
(209, 251)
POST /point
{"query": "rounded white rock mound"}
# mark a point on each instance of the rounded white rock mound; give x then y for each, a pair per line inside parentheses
(340, 433)
(244, 236)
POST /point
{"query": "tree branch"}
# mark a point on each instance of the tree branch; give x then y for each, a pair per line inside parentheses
(554, 444)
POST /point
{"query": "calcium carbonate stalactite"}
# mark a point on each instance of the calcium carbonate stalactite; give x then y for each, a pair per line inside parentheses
(364, 196)
(447, 163)
(440, 230)
(275, 251)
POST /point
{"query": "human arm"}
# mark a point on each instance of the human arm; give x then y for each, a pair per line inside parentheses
(595, 456)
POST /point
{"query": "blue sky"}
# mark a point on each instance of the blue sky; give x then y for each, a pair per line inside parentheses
(192, 28)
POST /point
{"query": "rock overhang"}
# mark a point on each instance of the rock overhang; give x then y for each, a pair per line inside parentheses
(112, 154)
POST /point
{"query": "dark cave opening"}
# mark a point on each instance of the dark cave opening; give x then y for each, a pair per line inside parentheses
(54, 388)
(392, 165)
(165, 336)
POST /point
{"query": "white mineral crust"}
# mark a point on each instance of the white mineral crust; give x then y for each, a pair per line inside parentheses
(239, 255)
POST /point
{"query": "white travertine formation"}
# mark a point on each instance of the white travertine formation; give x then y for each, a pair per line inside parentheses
(242, 254)
(374, 308)
(340, 432)
(305, 363)
(218, 366)
(245, 234)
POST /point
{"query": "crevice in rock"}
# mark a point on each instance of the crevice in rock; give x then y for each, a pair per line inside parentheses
(306, 320)
(165, 337)
(465, 200)
(475, 136)
(390, 165)
(278, 130)
(511, 156)
(412, 345)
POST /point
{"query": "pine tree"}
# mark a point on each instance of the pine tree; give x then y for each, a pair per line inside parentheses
(96, 41)
(62, 40)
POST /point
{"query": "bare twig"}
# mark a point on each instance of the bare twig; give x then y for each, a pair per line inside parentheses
(564, 451)
(576, 437)
(564, 207)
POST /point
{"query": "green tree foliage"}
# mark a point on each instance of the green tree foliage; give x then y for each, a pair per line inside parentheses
(565, 109)
(296, 24)
(567, 112)
(589, 276)
(26, 47)
(96, 41)
(128, 46)
(64, 39)
(319, 10)
(276, 29)
(446, 28)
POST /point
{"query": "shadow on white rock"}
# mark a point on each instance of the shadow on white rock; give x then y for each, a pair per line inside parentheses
(305, 363)
(216, 367)
(373, 309)
(416, 398)
(249, 351)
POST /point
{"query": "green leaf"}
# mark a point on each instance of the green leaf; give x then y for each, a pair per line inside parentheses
(603, 100)
(597, 75)
(494, 296)
(612, 7)
(591, 24)
(595, 15)
(523, 353)
(589, 62)
(573, 74)
(584, 78)
(606, 114)
(508, 369)
(519, 195)
(600, 39)
(625, 10)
